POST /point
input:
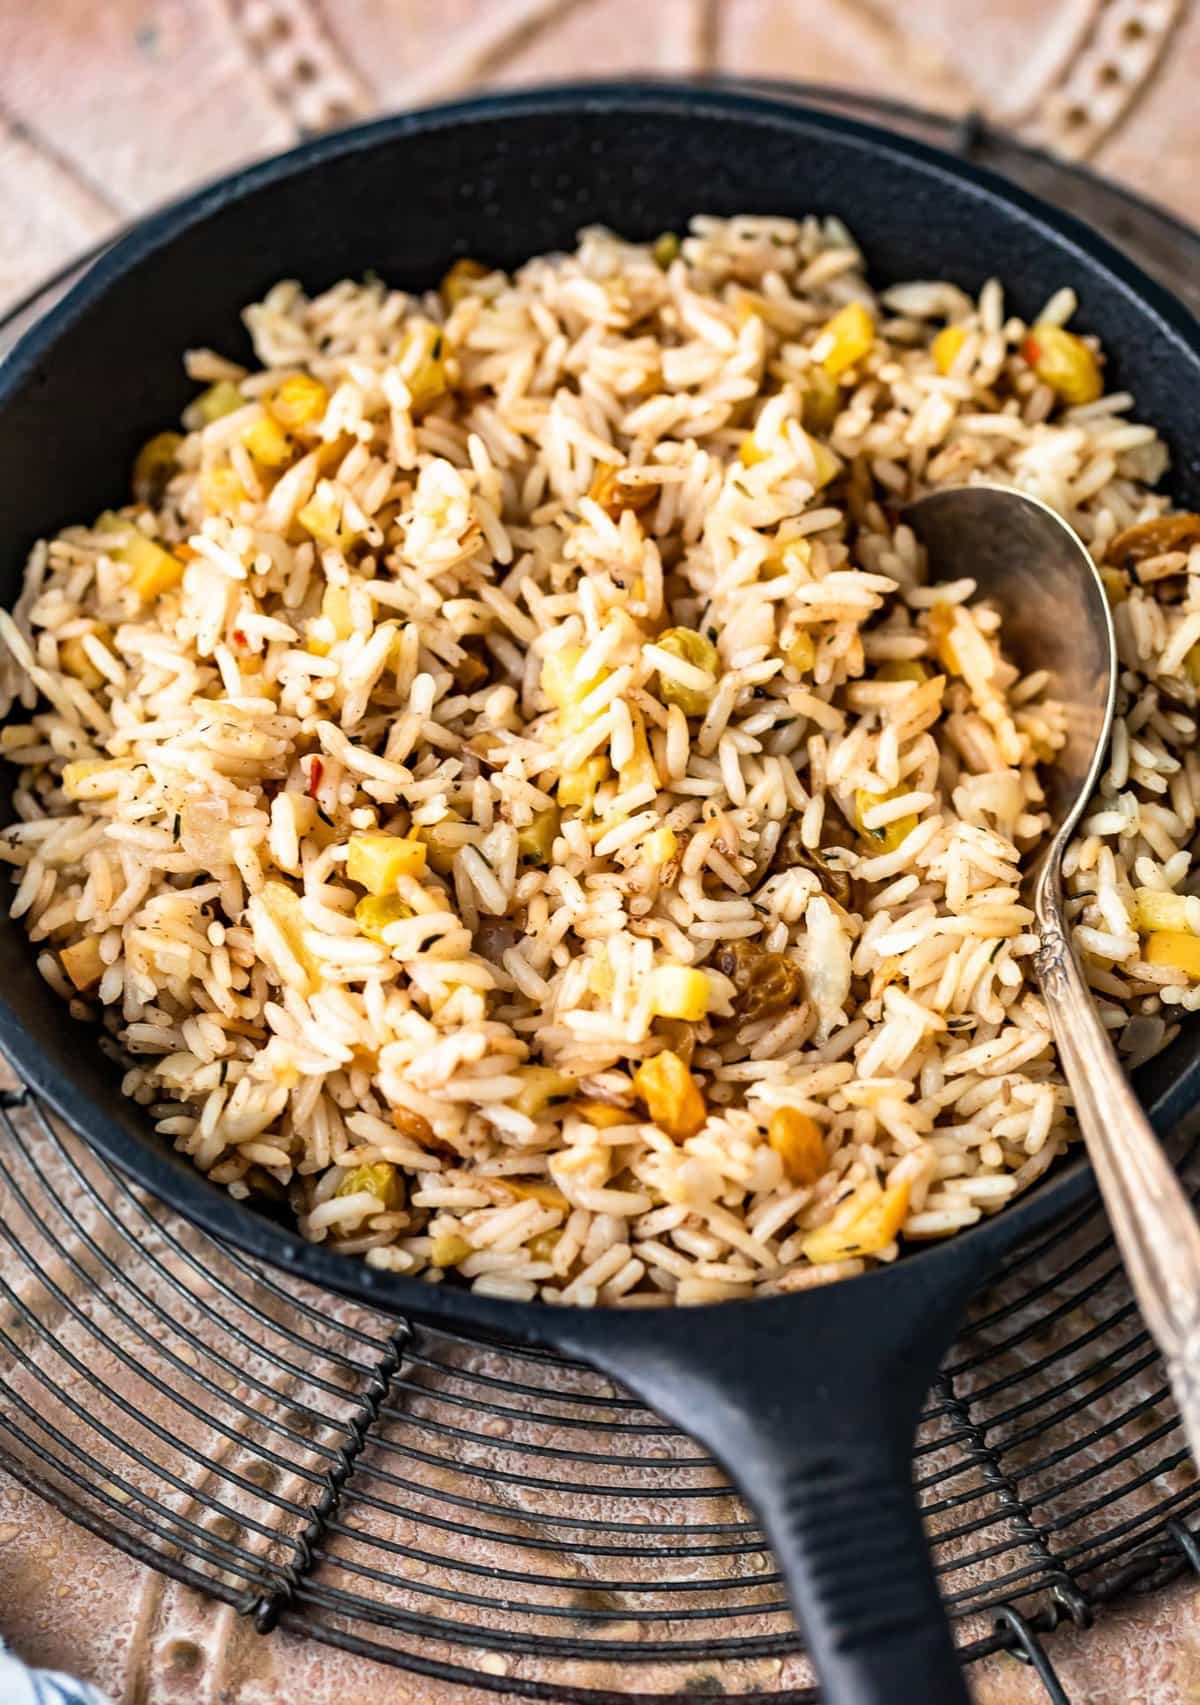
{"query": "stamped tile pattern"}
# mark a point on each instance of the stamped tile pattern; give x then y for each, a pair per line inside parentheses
(109, 106)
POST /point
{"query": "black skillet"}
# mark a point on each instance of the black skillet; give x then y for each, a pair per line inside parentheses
(809, 1401)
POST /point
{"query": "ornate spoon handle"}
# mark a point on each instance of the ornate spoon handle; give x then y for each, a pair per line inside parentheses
(1151, 1216)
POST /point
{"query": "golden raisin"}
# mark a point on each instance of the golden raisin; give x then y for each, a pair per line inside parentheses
(1154, 538)
(820, 400)
(797, 1140)
(614, 495)
(766, 983)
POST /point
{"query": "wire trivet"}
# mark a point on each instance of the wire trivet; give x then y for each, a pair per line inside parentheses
(497, 1517)
(493, 1515)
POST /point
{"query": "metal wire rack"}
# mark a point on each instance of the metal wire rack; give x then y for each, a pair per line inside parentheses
(498, 1516)
(495, 1516)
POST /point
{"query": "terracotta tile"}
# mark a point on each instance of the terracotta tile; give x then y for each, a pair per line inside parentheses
(842, 42)
(609, 36)
(142, 96)
(48, 216)
(406, 51)
(1005, 52)
(1156, 149)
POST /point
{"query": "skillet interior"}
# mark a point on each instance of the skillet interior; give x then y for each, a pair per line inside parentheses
(505, 178)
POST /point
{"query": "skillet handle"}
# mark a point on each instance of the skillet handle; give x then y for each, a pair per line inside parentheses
(810, 1403)
(844, 1528)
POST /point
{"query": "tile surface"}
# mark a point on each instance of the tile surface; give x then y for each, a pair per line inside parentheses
(106, 109)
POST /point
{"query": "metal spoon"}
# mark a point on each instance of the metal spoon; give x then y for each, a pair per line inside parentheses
(1028, 562)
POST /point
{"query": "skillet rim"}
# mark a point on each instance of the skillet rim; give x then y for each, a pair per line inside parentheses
(131, 1145)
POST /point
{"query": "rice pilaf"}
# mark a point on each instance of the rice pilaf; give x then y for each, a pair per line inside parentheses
(506, 786)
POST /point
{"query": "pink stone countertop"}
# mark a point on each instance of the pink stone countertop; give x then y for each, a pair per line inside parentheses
(109, 106)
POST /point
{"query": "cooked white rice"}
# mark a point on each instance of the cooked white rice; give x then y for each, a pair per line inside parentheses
(523, 483)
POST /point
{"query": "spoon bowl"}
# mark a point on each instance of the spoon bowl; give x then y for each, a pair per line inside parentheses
(1036, 570)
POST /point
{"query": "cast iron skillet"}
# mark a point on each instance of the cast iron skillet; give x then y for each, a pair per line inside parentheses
(809, 1401)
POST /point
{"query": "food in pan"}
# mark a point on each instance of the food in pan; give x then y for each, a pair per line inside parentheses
(506, 788)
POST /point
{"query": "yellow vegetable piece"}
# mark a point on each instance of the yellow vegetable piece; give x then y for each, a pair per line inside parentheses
(282, 906)
(578, 787)
(155, 570)
(73, 659)
(562, 682)
(600, 978)
(1064, 362)
(679, 991)
(889, 837)
(536, 840)
(566, 688)
(457, 281)
(690, 647)
(802, 653)
(1177, 948)
(665, 249)
(299, 403)
(870, 1229)
(640, 771)
(76, 777)
(751, 452)
(527, 1190)
(323, 517)
(539, 1086)
(219, 400)
(335, 608)
(381, 1180)
(1191, 664)
(1155, 910)
(826, 466)
(946, 345)
(154, 464)
(441, 846)
(797, 1140)
(852, 331)
(421, 359)
(221, 489)
(378, 860)
(670, 1095)
(448, 1249)
(903, 669)
(267, 442)
(82, 962)
(661, 845)
(374, 912)
(602, 1114)
(942, 621)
